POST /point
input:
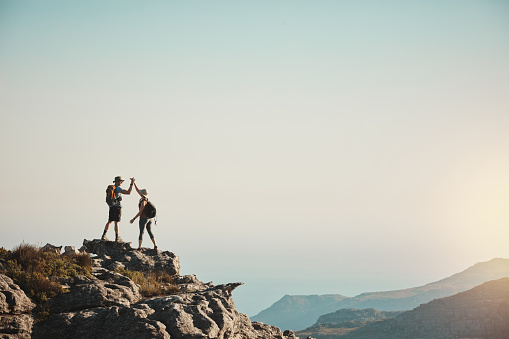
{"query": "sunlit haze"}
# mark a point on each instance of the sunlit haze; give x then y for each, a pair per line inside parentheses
(300, 147)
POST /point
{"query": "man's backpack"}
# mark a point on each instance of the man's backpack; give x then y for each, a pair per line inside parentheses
(149, 210)
(111, 198)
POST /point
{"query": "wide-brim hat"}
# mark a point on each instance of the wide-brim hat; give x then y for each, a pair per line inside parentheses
(144, 192)
(118, 179)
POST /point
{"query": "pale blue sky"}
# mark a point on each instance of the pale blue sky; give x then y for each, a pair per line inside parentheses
(302, 147)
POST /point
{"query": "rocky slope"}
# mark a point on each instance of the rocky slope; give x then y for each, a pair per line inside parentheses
(300, 312)
(482, 312)
(109, 305)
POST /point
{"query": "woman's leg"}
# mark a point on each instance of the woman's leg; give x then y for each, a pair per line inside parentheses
(149, 231)
(143, 221)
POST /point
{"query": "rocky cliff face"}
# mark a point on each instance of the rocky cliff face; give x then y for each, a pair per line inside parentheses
(109, 305)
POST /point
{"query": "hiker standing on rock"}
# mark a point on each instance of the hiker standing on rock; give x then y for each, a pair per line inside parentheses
(146, 213)
(113, 198)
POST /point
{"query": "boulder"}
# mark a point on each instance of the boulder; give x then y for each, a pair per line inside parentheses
(116, 322)
(12, 298)
(16, 326)
(208, 314)
(15, 322)
(105, 289)
(256, 330)
(51, 248)
(70, 250)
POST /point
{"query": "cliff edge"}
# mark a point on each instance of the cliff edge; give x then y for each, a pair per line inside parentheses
(107, 304)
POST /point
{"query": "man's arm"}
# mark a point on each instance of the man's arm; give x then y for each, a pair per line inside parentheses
(130, 188)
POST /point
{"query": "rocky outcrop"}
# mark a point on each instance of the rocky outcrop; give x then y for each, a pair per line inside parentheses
(109, 305)
(105, 289)
(15, 307)
(51, 248)
(112, 254)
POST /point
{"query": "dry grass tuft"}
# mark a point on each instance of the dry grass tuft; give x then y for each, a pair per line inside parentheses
(151, 283)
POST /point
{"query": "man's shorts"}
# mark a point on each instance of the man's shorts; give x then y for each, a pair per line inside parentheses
(115, 213)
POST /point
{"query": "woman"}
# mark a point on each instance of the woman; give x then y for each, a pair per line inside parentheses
(144, 220)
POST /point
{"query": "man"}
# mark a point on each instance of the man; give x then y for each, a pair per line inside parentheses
(115, 207)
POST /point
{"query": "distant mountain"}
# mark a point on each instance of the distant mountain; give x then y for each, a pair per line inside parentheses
(482, 312)
(302, 311)
(343, 321)
(298, 309)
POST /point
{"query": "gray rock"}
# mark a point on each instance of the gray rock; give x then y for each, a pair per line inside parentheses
(257, 330)
(114, 253)
(189, 283)
(51, 248)
(104, 289)
(12, 298)
(16, 326)
(289, 334)
(70, 250)
(14, 304)
(111, 322)
(210, 313)
(207, 313)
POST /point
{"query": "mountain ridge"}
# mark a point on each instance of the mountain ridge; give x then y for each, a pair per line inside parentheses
(480, 312)
(396, 300)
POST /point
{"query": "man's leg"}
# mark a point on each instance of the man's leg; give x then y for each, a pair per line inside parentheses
(106, 230)
(116, 219)
(117, 237)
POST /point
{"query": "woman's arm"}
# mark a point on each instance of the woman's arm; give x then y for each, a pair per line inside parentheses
(137, 190)
(142, 206)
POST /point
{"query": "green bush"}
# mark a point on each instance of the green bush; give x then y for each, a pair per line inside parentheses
(151, 283)
(62, 266)
(34, 283)
(4, 254)
(29, 266)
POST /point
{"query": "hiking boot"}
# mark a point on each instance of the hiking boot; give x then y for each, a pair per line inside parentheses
(104, 238)
(118, 239)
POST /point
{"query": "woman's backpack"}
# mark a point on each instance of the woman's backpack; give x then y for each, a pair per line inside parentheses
(149, 210)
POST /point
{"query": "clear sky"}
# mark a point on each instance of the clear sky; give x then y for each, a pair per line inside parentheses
(301, 147)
